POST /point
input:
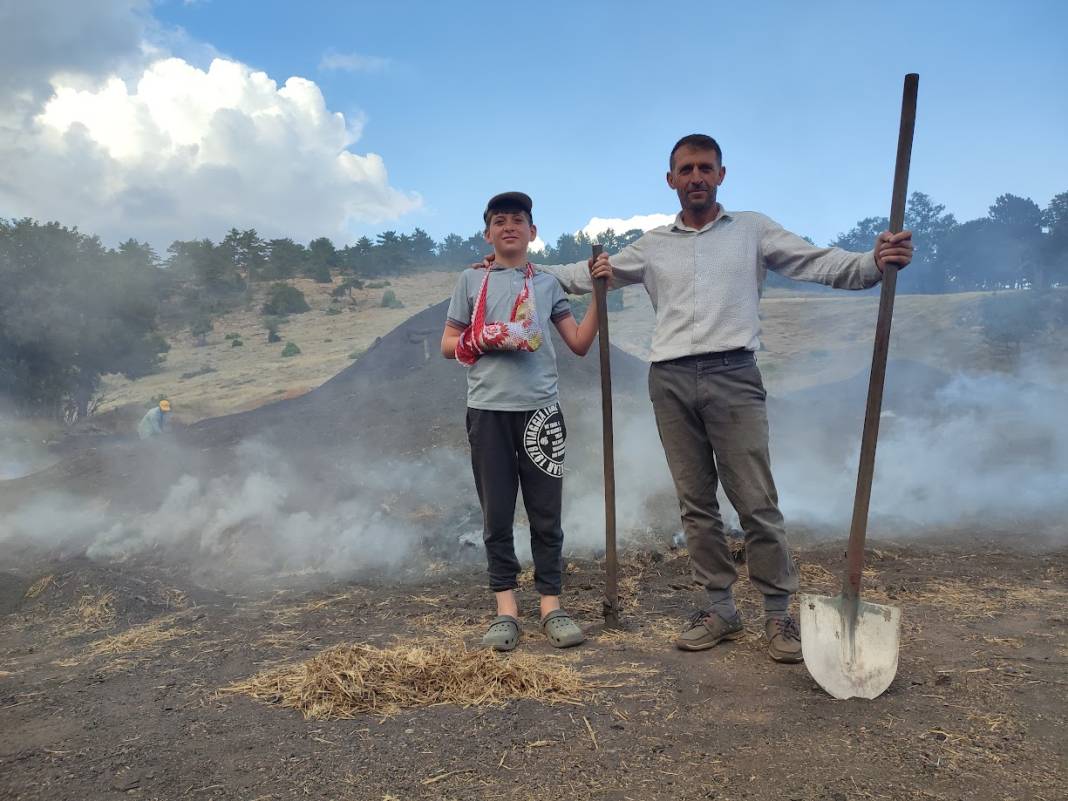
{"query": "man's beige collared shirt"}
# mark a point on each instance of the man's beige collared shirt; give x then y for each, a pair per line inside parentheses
(705, 284)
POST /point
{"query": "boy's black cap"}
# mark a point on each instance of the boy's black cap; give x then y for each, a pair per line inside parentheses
(508, 200)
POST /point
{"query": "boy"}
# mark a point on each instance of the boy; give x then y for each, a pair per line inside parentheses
(514, 422)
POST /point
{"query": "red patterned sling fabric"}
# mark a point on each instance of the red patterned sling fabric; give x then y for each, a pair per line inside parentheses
(521, 332)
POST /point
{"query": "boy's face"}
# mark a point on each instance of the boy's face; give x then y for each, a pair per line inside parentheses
(510, 233)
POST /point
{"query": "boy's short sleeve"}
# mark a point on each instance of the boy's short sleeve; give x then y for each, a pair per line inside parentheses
(461, 305)
(561, 305)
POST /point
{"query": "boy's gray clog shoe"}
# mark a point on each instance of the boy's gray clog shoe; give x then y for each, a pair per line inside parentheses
(561, 630)
(503, 633)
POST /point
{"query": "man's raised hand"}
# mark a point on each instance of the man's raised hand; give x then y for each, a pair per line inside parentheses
(893, 249)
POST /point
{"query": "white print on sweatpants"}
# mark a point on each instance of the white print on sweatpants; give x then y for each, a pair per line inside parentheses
(543, 440)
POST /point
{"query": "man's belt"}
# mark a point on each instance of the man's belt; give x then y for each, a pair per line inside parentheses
(725, 358)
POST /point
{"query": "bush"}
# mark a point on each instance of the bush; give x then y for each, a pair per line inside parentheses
(290, 349)
(273, 324)
(333, 310)
(200, 328)
(285, 299)
(346, 287)
(1013, 320)
(378, 284)
(232, 336)
(236, 343)
(320, 273)
(390, 300)
(194, 373)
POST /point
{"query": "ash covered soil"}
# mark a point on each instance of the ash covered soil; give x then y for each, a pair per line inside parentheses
(111, 671)
(110, 679)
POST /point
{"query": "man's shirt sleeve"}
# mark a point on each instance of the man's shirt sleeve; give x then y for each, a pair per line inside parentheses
(790, 255)
(461, 305)
(628, 267)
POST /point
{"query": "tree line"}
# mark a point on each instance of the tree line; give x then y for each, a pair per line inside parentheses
(73, 310)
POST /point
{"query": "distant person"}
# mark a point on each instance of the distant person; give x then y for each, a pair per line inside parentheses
(155, 421)
(705, 274)
(496, 328)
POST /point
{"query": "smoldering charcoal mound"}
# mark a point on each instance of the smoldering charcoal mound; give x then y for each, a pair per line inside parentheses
(398, 400)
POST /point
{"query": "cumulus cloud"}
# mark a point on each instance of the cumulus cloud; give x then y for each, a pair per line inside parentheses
(645, 222)
(167, 150)
(352, 62)
(41, 39)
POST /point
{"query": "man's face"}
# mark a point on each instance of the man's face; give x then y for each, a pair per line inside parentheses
(695, 177)
(510, 233)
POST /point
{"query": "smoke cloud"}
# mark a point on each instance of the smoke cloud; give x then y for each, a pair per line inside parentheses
(984, 450)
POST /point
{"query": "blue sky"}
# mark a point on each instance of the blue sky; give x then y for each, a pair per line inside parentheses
(579, 103)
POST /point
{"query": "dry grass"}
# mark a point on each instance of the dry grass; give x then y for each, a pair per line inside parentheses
(40, 586)
(975, 598)
(137, 638)
(346, 681)
(96, 612)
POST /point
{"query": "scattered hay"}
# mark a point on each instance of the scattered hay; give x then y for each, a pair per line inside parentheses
(137, 638)
(173, 598)
(40, 586)
(96, 612)
(974, 599)
(350, 680)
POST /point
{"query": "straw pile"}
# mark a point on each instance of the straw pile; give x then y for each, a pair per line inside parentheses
(350, 680)
(40, 586)
(97, 612)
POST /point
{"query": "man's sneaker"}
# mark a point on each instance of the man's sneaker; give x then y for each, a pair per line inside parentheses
(705, 629)
(784, 639)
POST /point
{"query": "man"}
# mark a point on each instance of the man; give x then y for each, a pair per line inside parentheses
(154, 422)
(705, 274)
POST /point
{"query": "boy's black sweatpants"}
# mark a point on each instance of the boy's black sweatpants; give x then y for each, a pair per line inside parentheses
(510, 450)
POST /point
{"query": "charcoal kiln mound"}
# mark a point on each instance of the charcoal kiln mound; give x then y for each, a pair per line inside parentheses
(398, 400)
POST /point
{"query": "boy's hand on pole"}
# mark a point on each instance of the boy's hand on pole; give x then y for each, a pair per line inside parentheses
(600, 267)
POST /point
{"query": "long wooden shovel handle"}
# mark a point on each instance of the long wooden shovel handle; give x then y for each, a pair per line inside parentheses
(858, 528)
(611, 587)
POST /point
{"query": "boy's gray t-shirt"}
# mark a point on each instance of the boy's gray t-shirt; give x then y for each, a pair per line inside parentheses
(508, 380)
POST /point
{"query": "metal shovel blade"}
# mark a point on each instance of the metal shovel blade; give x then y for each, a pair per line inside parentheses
(850, 655)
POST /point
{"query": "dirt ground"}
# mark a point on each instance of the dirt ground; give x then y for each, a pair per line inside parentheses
(110, 679)
(111, 672)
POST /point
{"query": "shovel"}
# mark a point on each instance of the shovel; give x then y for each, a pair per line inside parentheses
(850, 646)
(611, 587)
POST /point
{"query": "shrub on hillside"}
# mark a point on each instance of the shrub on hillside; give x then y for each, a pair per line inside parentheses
(1011, 320)
(200, 329)
(390, 300)
(285, 299)
(273, 324)
(290, 349)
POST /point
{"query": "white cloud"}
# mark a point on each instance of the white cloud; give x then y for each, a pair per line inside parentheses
(352, 62)
(164, 149)
(537, 246)
(645, 222)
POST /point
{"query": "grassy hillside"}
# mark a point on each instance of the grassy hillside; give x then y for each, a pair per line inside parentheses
(809, 340)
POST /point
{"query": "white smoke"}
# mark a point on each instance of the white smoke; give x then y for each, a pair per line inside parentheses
(263, 518)
(988, 450)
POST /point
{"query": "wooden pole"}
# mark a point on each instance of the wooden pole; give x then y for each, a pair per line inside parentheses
(611, 588)
(859, 527)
